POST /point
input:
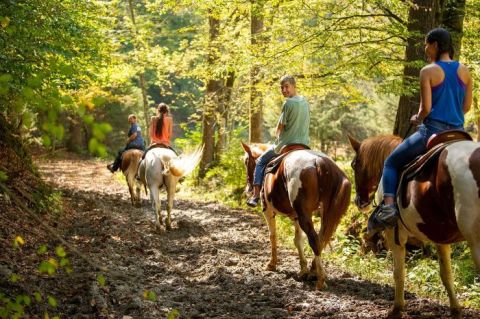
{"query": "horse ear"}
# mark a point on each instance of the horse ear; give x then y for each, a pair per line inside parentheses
(246, 148)
(355, 144)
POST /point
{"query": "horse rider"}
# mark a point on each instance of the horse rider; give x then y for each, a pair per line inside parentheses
(445, 96)
(292, 128)
(161, 129)
(134, 141)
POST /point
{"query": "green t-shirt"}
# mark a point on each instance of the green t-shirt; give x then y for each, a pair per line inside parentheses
(296, 118)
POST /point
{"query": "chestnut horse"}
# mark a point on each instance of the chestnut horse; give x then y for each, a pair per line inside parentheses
(440, 205)
(305, 183)
(130, 161)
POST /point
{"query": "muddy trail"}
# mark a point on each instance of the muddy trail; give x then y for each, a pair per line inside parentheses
(211, 265)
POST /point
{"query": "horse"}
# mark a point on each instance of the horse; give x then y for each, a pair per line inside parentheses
(440, 205)
(130, 162)
(160, 168)
(305, 183)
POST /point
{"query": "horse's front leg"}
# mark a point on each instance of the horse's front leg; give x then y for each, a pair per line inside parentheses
(444, 252)
(270, 219)
(299, 241)
(398, 251)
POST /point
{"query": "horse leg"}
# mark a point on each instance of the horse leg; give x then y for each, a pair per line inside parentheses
(444, 252)
(398, 251)
(170, 195)
(132, 194)
(299, 240)
(270, 219)
(306, 224)
(157, 205)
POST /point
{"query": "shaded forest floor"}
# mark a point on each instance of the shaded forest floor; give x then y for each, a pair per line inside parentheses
(211, 265)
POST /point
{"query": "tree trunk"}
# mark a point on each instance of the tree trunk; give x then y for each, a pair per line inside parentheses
(452, 16)
(421, 19)
(143, 87)
(256, 97)
(214, 87)
(222, 115)
(142, 81)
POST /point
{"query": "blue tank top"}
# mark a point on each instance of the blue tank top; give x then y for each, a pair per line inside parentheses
(447, 97)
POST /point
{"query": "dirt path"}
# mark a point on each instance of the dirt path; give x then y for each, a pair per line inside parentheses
(211, 265)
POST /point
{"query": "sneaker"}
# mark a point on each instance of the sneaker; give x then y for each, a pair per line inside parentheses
(253, 201)
(384, 216)
(110, 168)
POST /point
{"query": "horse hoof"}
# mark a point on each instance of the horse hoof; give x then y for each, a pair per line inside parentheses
(456, 313)
(303, 275)
(395, 313)
(271, 267)
(321, 285)
(168, 227)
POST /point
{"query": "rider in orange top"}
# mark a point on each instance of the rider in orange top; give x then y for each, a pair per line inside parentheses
(161, 126)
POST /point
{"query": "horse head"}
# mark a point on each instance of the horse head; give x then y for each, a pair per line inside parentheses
(252, 152)
(367, 165)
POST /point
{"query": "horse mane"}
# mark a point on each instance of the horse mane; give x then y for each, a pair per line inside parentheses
(374, 151)
(258, 149)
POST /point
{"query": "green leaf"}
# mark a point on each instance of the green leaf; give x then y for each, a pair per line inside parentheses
(52, 301)
(37, 296)
(14, 278)
(42, 249)
(60, 251)
(46, 140)
(174, 314)
(101, 280)
(150, 295)
(3, 176)
(4, 22)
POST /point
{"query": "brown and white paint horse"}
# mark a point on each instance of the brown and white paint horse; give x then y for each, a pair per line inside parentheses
(304, 182)
(130, 161)
(441, 205)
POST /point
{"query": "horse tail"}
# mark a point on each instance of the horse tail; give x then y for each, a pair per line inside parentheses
(185, 164)
(337, 198)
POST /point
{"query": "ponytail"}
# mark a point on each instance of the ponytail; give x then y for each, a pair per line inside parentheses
(162, 109)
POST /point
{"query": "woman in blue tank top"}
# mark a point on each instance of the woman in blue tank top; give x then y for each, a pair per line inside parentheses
(446, 95)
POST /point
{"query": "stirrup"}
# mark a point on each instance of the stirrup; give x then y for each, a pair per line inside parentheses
(382, 217)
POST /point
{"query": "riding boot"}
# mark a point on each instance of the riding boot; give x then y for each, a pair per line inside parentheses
(384, 216)
(253, 201)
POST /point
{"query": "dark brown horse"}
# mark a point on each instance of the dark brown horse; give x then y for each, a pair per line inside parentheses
(305, 183)
(440, 205)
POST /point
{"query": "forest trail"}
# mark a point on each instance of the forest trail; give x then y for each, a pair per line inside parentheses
(211, 265)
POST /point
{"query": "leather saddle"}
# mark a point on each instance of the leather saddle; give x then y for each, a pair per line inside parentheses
(158, 145)
(274, 164)
(435, 145)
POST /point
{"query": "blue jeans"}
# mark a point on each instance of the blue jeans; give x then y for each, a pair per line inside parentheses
(408, 150)
(262, 162)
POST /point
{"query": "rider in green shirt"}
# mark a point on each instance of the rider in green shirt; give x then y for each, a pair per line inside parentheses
(292, 128)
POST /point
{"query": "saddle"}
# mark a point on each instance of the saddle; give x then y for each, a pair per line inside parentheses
(435, 145)
(158, 145)
(274, 164)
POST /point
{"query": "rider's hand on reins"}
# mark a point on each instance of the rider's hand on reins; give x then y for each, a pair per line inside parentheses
(416, 120)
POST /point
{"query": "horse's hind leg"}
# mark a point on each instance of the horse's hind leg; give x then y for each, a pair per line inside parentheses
(157, 205)
(270, 219)
(398, 251)
(444, 252)
(306, 224)
(299, 240)
(170, 195)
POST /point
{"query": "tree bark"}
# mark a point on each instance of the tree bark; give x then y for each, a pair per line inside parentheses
(141, 78)
(214, 87)
(421, 19)
(452, 16)
(223, 114)
(256, 96)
